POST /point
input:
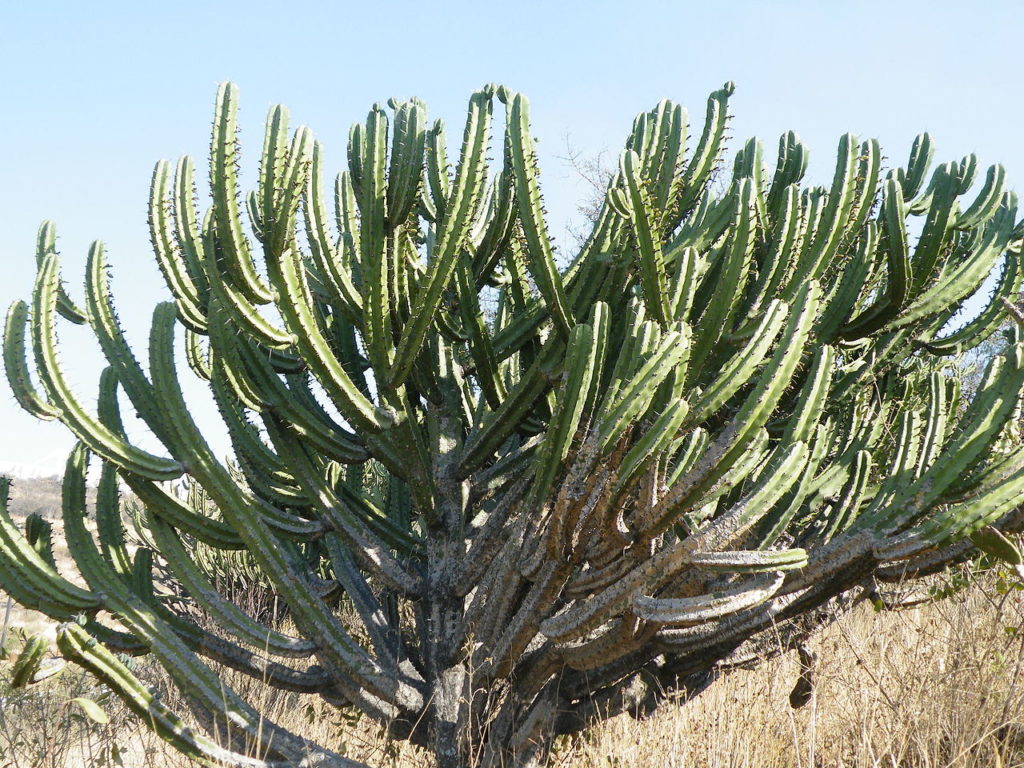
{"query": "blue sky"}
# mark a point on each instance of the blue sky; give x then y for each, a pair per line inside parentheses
(94, 93)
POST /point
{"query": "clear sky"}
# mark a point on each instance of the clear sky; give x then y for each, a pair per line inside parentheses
(94, 93)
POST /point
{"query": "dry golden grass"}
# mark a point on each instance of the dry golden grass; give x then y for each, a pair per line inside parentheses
(935, 686)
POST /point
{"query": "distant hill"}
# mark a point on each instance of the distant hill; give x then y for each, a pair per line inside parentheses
(35, 494)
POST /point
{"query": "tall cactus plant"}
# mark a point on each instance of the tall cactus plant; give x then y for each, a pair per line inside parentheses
(601, 481)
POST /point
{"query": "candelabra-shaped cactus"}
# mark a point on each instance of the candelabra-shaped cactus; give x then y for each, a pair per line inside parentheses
(596, 483)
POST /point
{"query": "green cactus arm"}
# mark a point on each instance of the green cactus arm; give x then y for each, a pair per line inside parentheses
(836, 212)
(649, 448)
(790, 506)
(522, 397)
(356, 157)
(480, 347)
(380, 523)
(709, 147)
(789, 170)
(187, 230)
(938, 224)
(778, 474)
(322, 245)
(921, 153)
(316, 425)
(280, 229)
(46, 243)
(243, 312)
(110, 530)
(669, 357)
(987, 201)
(197, 356)
(578, 378)
(375, 257)
(894, 216)
(38, 533)
(85, 426)
(252, 207)
(226, 614)
(104, 321)
(672, 162)
(165, 245)
(936, 421)
(688, 450)
(868, 170)
(903, 463)
(406, 167)
(263, 469)
(346, 216)
(225, 191)
(29, 578)
(961, 281)
(635, 349)
(438, 186)
(741, 366)
(259, 463)
(501, 225)
(704, 225)
(184, 438)
(684, 283)
(16, 365)
(227, 365)
(541, 256)
(752, 415)
(989, 319)
(749, 164)
(452, 232)
(799, 257)
(838, 318)
(296, 308)
(979, 427)
(272, 163)
(847, 506)
(28, 662)
(967, 173)
(312, 616)
(813, 397)
(775, 267)
(210, 531)
(645, 229)
(727, 284)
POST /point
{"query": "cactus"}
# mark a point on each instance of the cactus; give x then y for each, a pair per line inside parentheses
(592, 484)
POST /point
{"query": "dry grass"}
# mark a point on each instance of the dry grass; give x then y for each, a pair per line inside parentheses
(935, 686)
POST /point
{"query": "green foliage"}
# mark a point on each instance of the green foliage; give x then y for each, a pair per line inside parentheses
(728, 408)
